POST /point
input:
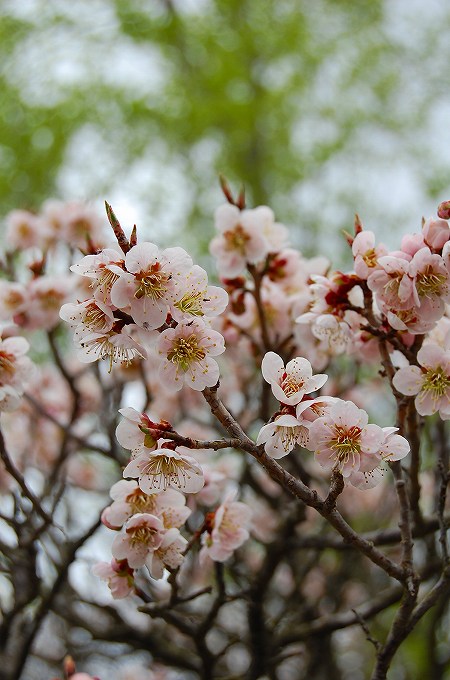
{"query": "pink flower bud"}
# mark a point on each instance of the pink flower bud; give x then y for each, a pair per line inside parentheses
(436, 233)
(443, 210)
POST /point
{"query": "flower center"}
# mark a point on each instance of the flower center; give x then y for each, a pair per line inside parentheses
(105, 280)
(152, 283)
(7, 365)
(370, 258)
(186, 351)
(93, 318)
(140, 502)
(191, 303)
(107, 350)
(437, 382)
(290, 386)
(141, 534)
(167, 471)
(345, 445)
(429, 282)
(236, 239)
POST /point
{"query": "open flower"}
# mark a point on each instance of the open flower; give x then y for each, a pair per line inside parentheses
(342, 439)
(163, 469)
(153, 280)
(430, 382)
(117, 575)
(143, 534)
(187, 351)
(229, 530)
(196, 299)
(169, 554)
(282, 435)
(290, 384)
(240, 240)
(15, 370)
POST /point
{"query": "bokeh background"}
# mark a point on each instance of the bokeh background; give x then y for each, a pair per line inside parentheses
(321, 109)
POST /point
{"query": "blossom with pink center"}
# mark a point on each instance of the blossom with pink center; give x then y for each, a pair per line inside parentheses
(129, 499)
(431, 283)
(92, 315)
(229, 530)
(117, 575)
(240, 241)
(436, 233)
(391, 284)
(394, 447)
(282, 435)
(430, 381)
(335, 333)
(342, 438)
(412, 320)
(366, 254)
(163, 469)
(186, 353)
(290, 384)
(15, 370)
(45, 295)
(114, 346)
(196, 299)
(24, 230)
(169, 554)
(104, 270)
(143, 534)
(153, 280)
(13, 299)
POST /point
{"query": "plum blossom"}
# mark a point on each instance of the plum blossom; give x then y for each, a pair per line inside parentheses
(187, 352)
(15, 370)
(391, 284)
(290, 384)
(169, 554)
(229, 530)
(118, 576)
(92, 315)
(130, 432)
(143, 534)
(163, 469)
(240, 241)
(104, 270)
(197, 299)
(115, 346)
(430, 381)
(343, 440)
(436, 233)
(394, 447)
(366, 254)
(153, 280)
(129, 499)
(431, 283)
(282, 435)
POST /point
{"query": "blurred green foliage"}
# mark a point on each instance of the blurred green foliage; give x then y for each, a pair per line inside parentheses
(267, 93)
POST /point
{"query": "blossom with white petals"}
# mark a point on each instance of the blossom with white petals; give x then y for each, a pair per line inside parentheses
(229, 530)
(169, 554)
(153, 280)
(143, 534)
(15, 370)
(187, 352)
(240, 241)
(118, 576)
(430, 381)
(290, 384)
(196, 299)
(282, 435)
(163, 469)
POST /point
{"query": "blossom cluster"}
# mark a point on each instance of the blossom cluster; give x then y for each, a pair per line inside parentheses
(149, 299)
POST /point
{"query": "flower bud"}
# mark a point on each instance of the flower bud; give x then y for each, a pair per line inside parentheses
(443, 210)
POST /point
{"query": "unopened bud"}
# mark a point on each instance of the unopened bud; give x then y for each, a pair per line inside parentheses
(443, 210)
(69, 666)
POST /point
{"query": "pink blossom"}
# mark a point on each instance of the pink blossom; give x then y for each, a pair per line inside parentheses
(13, 299)
(290, 384)
(282, 435)
(412, 243)
(15, 370)
(129, 499)
(187, 352)
(366, 254)
(430, 382)
(143, 534)
(130, 434)
(24, 230)
(241, 239)
(163, 469)
(117, 575)
(196, 299)
(229, 532)
(153, 280)
(431, 283)
(104, 270)
(436, 233)
(391, 283)
(169, 554)
(92, 315)
(342, 440)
